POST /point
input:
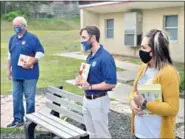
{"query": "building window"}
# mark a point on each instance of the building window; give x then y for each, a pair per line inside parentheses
(109, 28)
(171, 26)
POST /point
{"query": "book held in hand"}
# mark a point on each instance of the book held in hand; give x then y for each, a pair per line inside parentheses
(151, 92)
(84, 71)
(24, 59)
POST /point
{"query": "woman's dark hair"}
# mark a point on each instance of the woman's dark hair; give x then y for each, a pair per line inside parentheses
(159, 43)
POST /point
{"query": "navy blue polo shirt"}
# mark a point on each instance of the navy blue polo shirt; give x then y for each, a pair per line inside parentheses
(28, 44)
(102, 69)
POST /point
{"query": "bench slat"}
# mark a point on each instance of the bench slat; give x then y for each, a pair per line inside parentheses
(65, 112)
(64, 103)
(72, 127)
(46, 125)
(57, 125)
(64, 93)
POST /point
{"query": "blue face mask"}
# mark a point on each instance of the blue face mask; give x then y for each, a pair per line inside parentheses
(18, 29)
(86, 45)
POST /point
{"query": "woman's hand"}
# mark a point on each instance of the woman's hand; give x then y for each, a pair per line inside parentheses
(135, 108)
(138, 99)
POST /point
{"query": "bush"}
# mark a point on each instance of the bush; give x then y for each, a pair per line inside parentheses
(24, 12)
(11, 15)
(182, 85)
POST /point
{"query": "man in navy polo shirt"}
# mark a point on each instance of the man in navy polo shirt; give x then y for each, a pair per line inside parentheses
(24, 77)
(101, 79)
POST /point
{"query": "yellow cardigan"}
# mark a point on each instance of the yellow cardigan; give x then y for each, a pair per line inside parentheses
(168, 109)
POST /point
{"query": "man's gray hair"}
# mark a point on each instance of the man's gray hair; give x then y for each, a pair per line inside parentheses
(21, 19)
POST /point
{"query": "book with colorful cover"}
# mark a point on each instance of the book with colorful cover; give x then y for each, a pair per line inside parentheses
(151, 92)
(24, 59)
(84, 71)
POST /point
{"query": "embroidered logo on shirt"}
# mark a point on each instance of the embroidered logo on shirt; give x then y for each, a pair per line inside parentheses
(94, 64)
(23, 42)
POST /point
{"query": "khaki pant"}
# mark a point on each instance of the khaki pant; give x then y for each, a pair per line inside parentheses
(96, 116)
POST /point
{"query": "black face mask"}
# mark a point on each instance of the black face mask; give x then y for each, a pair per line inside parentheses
(145, 56)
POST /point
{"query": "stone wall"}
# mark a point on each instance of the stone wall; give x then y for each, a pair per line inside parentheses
(44, 9)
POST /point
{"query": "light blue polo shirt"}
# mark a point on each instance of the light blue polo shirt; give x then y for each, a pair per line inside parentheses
(102, 69)
(28, 44)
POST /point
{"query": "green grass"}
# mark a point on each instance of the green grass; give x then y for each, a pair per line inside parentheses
(119, 69)
(12, 130)
(54, 70)
(180, 68)
(56, 36)
(47, 24)
(112, 99)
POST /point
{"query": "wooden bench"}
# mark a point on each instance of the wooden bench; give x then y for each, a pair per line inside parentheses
(67, 105)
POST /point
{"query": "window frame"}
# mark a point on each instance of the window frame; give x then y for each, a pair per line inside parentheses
(106, 28)
(166, 28)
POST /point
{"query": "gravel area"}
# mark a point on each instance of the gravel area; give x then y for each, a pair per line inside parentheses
(119, 125)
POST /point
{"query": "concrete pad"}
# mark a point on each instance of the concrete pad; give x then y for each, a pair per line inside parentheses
(121, 92)
(127, 66)
(72, 82)
(120, 107)
(126, 76)
(75, 55)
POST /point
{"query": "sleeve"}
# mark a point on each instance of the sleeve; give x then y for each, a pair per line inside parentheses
(9, 56)
(39, 55)
(170, 89)
(109, 71)
(38, 46)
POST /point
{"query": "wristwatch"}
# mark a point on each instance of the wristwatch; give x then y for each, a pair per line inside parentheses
(90, 87)
(144, 105)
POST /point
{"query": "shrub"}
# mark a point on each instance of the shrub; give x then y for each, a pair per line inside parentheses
(11, 15)
(182, 84)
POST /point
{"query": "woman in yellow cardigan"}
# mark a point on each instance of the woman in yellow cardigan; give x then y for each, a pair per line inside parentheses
(157, 69)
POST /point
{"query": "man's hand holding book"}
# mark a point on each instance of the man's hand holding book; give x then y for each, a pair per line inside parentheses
(26, 62)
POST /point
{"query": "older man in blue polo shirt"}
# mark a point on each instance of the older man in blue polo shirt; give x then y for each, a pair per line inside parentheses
(24, 77)
(101, 79)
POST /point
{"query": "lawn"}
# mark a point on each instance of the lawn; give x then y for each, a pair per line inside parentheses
(54, 70)
(47, 24)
